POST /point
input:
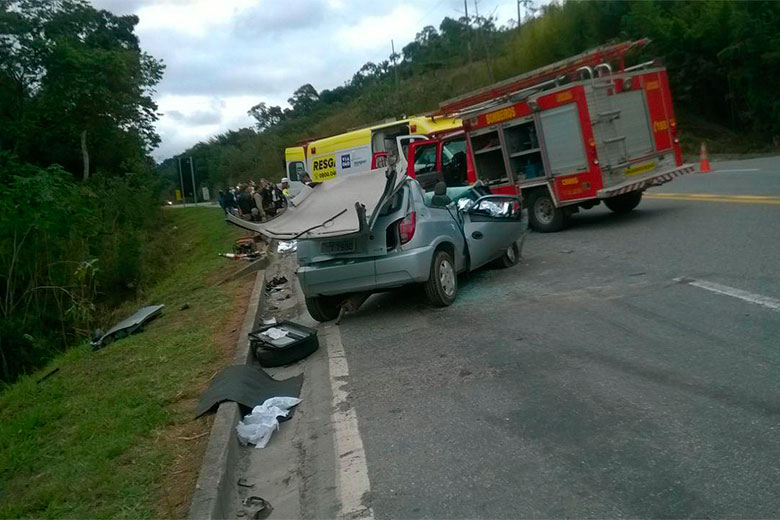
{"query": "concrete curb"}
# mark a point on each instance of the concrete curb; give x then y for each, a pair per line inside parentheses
(216, 481)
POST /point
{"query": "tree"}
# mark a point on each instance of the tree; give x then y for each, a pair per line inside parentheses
(304, 99)
(75, 76)
(368, 72)
(266, 116)
(75, 96)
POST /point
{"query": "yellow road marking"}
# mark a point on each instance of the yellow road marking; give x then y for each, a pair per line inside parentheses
(715, 197)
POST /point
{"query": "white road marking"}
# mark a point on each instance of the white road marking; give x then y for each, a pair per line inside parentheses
(352, 472)
(758, 299)
(737, 170)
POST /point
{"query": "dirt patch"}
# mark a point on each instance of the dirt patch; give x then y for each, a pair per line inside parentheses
(227, 336)
(187, 440)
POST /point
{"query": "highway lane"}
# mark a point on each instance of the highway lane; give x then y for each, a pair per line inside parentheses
(600, 378)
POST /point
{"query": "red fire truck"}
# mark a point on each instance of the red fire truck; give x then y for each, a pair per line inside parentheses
(566, 136)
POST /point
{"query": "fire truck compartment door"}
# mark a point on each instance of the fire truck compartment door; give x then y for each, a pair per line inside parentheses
(563, 142)
(634, 122)
(491, 225)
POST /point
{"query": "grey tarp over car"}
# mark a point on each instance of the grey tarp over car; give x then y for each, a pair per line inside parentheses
(328, 209)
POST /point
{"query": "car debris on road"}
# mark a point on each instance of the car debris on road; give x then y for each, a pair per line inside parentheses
(127, 326)
(258, 426)
(283, 343)
(246, 385)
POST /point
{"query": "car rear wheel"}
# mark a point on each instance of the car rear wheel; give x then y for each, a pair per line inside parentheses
(510, 257)
(624, 203)
(324, 308)
(543, 216)
(442, 285)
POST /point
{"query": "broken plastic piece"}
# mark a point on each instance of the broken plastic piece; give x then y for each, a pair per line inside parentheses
(258, 507)
(127, 326)
(275, 333)
(241, 256)
(287, 246)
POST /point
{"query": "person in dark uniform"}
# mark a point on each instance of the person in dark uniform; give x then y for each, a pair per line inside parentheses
(245, 201)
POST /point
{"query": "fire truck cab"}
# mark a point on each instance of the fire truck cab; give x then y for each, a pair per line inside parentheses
(566, 136)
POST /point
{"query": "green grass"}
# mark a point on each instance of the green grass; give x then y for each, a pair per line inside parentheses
(94, 439)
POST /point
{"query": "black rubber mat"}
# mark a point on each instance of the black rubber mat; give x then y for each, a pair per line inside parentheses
(248, 386)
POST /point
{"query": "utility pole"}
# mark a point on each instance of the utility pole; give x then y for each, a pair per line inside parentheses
(181, 183)
(194, 190)
(468, 29)
(518, 14)
(395, 65)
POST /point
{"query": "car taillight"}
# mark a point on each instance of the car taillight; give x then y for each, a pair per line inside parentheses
(406, 227)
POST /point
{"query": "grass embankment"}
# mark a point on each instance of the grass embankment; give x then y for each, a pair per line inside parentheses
(111, 434)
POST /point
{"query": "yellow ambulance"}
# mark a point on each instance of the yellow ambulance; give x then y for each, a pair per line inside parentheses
(360, 150)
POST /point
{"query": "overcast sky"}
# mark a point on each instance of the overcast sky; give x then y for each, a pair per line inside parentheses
(224, 56)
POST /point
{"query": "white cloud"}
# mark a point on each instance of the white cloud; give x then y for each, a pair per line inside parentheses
(195, 17)
(224, 56)
(374, 32)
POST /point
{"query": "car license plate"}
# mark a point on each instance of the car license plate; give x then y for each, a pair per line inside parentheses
(639, 169)
(338, 246)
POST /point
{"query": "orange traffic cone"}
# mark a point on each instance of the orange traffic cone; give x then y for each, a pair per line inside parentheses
(704, 159)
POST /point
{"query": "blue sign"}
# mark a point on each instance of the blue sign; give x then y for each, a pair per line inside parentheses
(345, 161)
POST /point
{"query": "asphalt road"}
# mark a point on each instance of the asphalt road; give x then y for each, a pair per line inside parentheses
(630, 367)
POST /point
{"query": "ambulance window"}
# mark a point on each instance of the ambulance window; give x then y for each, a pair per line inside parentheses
(378, 136)
(453, 162)
(425, 158)
(293, 169)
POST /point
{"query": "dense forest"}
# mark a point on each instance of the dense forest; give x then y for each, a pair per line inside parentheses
(723, 58)
(79, 197)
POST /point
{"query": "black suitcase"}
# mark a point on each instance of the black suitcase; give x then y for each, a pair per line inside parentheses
(299, 342)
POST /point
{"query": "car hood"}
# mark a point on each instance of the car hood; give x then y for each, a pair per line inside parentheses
(343, 206)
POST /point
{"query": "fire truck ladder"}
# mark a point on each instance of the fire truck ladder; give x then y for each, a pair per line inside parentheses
(536, 79)
(607, 132)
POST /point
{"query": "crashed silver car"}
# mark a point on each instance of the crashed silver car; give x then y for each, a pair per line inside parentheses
(380, 230)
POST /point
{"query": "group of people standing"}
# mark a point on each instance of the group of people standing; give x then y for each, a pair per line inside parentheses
(255, 202)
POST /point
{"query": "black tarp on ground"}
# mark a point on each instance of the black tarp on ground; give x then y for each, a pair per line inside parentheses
(248, 386)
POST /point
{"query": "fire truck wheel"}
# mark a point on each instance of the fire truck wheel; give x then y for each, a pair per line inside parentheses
(624, 203)
(324, 308)
(442, 285)
(543, 216)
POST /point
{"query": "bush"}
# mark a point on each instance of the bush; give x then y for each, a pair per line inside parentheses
(68, 251)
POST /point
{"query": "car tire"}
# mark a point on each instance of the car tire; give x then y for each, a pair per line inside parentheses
(324, 308)
(442, 285)
(624, 203)
(510, 257)
(543, 216)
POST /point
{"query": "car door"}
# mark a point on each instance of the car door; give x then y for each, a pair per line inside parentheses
(402, 143)
(423, 160)
(491, 225)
